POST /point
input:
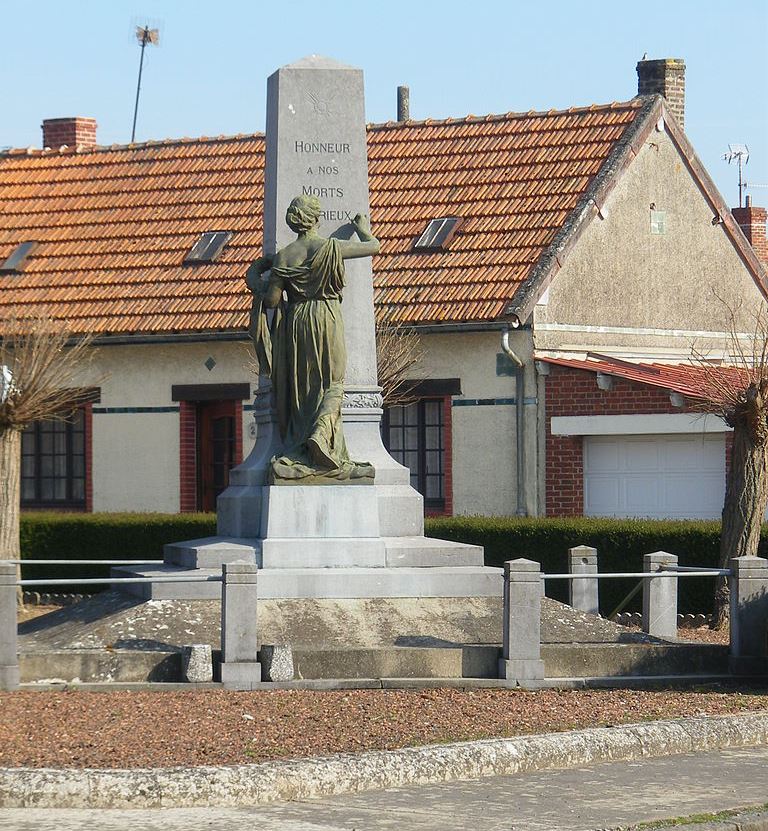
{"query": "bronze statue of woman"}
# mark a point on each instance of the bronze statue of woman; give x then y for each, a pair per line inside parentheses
(304, 351)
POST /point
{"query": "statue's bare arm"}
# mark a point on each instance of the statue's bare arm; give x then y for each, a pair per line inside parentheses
(270, 290)
(368, 245)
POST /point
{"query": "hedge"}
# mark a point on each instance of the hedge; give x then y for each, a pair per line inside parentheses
(620, 544)
(60, 536)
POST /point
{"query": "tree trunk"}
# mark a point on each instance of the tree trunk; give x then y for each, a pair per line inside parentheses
(745, 497)
(10, 496)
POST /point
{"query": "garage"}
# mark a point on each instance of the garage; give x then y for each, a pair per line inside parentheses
(675, 476)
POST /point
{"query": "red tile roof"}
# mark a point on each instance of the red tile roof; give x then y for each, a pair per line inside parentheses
(115, 223)
(690, 380)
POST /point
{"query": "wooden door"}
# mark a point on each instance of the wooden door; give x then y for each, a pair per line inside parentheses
(216, 449)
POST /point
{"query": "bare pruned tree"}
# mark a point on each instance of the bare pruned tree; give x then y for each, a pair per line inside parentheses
(398, 351)
(738, 392)
(40, 364)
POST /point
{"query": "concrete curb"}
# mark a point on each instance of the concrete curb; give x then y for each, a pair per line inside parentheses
(241, 785)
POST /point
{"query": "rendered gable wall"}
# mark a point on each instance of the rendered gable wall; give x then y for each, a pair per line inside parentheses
(620, 275)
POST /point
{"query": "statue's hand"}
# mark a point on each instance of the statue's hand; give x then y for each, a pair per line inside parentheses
(362, 224)
(255, 270)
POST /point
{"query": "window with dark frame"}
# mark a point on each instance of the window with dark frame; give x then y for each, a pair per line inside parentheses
(53, 463)
(437, 234)
(208, 247)
(415, 437)
(16, 261)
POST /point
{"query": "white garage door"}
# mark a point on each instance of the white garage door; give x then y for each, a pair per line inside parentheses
(676, 476)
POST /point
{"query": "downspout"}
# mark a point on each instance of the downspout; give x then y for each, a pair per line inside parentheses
(519, 403)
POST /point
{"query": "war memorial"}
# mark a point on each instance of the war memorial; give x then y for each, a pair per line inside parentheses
(324, 517)
(320, 568)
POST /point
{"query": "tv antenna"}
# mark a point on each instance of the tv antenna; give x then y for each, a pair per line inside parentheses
(144, 35)
(738, 153)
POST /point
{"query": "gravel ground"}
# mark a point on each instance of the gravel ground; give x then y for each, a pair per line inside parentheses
(143, 729)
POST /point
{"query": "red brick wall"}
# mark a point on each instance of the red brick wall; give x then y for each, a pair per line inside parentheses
(752, 220)
(571, 392)
(188, 456)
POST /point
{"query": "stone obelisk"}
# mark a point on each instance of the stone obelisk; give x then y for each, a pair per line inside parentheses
(316, 145)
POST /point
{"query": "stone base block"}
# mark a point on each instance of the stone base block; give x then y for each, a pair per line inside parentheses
(9, 677)
(319, 512)
(211, 552)
(521, 670)
(426, 552)
(238, 511)
(332, 552)
(237, 675)
(276, 662)
(197, 663)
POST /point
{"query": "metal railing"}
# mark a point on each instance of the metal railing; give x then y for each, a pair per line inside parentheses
(106, 581)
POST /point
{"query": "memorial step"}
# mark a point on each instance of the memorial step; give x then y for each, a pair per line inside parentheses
(288, 583)
(332, 552)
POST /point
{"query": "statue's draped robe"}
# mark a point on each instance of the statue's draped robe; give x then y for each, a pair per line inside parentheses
(306, 357)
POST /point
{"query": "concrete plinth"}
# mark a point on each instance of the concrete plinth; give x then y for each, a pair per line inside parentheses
(583, 593)
(294, 583)
(749, 616)
(660, 597)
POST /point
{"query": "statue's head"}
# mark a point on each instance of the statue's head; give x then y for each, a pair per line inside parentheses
(303, 213)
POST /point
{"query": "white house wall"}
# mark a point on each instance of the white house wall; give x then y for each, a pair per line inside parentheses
(483, 418)
(136, 423)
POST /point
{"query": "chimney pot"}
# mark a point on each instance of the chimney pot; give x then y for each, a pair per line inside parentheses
(664, 77)
(72, 132)
(403, 103)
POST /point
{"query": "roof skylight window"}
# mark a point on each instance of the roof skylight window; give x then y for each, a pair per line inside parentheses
(208, 247)
(438, 233)
(16, 262)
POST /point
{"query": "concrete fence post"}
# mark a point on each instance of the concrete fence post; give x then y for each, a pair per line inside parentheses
(660, 597)
(521, 637)
(240, 668)
(9, 641)
(583, 594)
(749, 615)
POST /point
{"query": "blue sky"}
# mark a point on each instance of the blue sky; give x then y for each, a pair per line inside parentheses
(208, 77)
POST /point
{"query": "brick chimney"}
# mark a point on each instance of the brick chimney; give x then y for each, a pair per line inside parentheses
(666, 77)
(72, 132)
(752, 223)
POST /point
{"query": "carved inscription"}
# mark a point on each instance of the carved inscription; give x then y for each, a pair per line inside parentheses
(322, 173)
